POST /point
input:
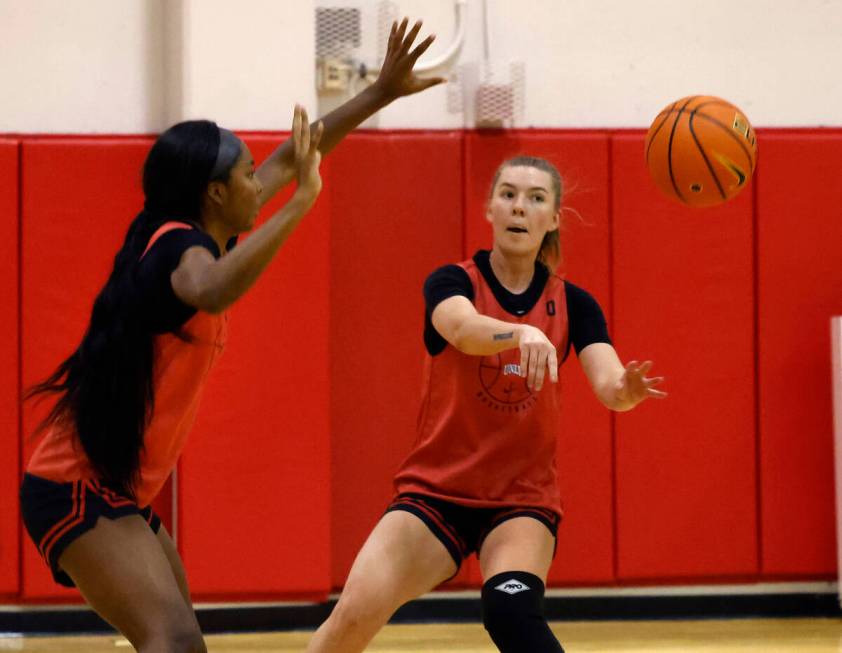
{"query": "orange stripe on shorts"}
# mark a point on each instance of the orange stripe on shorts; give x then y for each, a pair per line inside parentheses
(79, 494)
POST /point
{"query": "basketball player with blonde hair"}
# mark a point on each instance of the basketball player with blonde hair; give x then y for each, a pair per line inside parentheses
(481, 476)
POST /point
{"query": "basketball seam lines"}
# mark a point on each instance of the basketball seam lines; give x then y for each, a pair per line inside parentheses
(669, 149)
(652, 140)
(705, 157)
(732, 135)
(713, 120)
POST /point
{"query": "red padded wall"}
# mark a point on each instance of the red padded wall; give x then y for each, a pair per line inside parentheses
(79, 196)
(396, 203)
(287, 483)
(683, 296)
(585, 543)
(9, 382)
(799, 289)
(254, 480)
(163, 506)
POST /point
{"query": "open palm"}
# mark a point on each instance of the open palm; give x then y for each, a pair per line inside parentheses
(396, 78)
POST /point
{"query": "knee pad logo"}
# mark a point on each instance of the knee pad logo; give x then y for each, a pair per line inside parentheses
(512, 586)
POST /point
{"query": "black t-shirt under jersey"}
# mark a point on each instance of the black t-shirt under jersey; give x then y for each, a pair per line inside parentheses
(163, 309)
(585, 319)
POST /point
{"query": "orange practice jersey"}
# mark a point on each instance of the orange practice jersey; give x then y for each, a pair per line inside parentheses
(483, 438)
(180, 372)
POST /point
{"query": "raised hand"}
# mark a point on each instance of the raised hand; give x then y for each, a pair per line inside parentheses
(537, 356)
(396, 78)
(634, 386)
(306, 153)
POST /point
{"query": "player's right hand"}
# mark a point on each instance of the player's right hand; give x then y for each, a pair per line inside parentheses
(537, 356)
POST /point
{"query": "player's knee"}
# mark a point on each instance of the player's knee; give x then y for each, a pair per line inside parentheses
(360, 612)
(189, 640)
(178, 633)
(513, 613)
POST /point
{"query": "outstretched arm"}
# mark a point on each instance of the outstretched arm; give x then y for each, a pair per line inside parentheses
(617, 387)
(396, 79)
(212, 285)
(470, 332)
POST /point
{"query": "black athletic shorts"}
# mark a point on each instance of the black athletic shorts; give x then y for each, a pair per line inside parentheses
(462, 529)
(55, 514)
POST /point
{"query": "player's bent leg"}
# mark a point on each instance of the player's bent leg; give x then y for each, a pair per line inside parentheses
(400, 561)
(515, 558)
(177, 566)
(124, 574)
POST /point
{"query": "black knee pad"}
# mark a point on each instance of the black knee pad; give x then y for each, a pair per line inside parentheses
(513, 614)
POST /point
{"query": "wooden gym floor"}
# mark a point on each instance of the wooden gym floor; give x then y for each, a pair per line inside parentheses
(709, 636)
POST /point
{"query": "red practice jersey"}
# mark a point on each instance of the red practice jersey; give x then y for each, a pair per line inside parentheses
(483, 438)
(180, 372)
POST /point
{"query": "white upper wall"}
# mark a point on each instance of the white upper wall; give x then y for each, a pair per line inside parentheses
(246, 63)
(89, 66)
(135, 66)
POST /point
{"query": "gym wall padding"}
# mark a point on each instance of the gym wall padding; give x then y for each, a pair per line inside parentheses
(313, 406)
(9, 385)
(396, 216)
(79, 195)
(254, 480)
(799, 241)
(684, 297)
(585, 545)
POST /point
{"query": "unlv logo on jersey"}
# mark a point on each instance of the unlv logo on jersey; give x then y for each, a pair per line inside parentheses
(511, 368)
(501, 386)
(551, 307)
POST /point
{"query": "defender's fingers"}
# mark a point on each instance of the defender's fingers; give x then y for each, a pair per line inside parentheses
(424, 84)
(407, 42)
(391, 43)
(421, 48)
(296, 129)
(401, 31)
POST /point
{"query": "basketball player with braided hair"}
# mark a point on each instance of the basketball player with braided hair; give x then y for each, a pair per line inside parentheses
(128, 395)
(481, 475)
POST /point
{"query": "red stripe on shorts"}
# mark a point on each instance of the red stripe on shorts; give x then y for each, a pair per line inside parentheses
(437, 518)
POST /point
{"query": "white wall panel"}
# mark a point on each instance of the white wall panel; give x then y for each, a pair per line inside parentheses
(135, 66)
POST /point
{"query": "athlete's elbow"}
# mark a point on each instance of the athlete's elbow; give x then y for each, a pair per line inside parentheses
(462, 341)
(214, 308)
(212, 300)
(470, 346)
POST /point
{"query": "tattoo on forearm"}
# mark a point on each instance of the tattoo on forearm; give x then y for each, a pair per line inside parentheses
(504, 336)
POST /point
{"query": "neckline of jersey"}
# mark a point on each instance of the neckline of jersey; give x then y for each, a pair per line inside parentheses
(518, 304)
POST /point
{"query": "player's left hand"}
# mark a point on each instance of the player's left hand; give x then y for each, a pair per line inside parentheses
(634, 386)
(307, 155)
(396, 78)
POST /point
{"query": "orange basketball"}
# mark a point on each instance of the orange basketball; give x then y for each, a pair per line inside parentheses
(701, 150)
